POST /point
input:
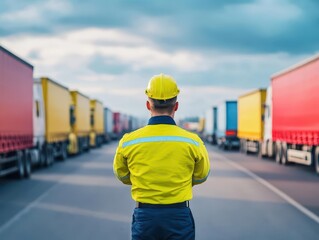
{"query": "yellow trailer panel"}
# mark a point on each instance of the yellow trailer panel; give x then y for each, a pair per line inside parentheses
(250, 115)
(81, 103)
(97, 119)
(57, 114)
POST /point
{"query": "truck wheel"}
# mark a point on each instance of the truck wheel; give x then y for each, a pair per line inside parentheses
(284, 155)
(80, 146)
(317, 159)
(27, 165)
(245, 143)
(64, 151)
(42, 157)
(48, 156)
(270, 149)
(260, 153)
(20, 165)
(241, 146)
(278, 152)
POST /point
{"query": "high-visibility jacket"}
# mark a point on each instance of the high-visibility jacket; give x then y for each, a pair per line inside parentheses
(161, 161)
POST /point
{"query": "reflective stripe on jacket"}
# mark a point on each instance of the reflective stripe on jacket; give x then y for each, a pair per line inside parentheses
(161, 161)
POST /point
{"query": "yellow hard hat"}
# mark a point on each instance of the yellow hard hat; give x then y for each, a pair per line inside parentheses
(162, 87)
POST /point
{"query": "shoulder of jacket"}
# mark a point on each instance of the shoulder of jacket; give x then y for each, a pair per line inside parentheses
(191, 135)
(132, 135)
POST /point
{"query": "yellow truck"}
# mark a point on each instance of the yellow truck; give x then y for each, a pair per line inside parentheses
(251, 120)
(80, 123)
(97, 123)
(57, 119)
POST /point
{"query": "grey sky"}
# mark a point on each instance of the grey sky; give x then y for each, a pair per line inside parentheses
(216, 50)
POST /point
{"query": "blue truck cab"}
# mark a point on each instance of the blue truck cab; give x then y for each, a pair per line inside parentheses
(227, 125)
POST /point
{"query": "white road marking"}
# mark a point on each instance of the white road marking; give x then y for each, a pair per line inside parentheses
(272, 188)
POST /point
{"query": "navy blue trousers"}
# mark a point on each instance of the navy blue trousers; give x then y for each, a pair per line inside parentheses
(163, 224)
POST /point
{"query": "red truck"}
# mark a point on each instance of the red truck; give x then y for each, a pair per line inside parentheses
(295, 98)
(16, 113)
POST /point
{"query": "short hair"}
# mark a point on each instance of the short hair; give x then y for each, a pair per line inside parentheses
(164, 105)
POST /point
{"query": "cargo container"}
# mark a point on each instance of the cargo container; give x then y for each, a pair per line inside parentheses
(97, 123)
(56, 101)
(124, 119)
(295, 124)
(108, 125)
(226, 133)
(211, 125)
(117, 125)
(80, 123)
(251, 120)
(16, 113)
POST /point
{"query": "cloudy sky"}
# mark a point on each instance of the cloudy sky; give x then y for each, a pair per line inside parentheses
(215, 49)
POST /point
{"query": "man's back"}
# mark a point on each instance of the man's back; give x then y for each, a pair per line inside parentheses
(161, 159)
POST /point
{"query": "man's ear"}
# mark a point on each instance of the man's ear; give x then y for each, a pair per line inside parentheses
(176, 106)
(148, 105)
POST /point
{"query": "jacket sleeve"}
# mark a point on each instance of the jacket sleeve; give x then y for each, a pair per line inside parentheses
(120, 167)
(202, 166)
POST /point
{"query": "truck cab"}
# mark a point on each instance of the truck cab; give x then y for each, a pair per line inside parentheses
(268, 146)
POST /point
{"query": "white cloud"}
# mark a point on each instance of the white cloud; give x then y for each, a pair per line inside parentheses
(76, 48)
(66, 58)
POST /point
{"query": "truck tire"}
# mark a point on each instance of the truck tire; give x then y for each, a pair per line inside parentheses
(270, 149)
(278, 152)
(260, 153)
(284, 155)
(245, 147)
(20, 165)
(242, 146)
(42, 157)
(27, 164)
(48, 155)
(316, 159)
(64, 152)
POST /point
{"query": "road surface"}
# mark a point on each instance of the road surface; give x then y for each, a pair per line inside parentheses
(244, 198)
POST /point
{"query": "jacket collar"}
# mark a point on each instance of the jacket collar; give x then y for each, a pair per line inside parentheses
(161, 120)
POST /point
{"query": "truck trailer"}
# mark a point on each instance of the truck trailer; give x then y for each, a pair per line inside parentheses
(251, 121)
(56, 101)
(80, 123)
(97, 123)
(226, 133)
(295, 124)
(16, 115)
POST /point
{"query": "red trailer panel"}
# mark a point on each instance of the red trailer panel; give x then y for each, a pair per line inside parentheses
(117, 125)
(295, 104)
(16, 94)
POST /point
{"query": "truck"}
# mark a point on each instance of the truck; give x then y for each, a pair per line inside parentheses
(251, 120)
(211, 125)
(54, 98)
(97, 123)
(117, 125)
(226, 133)
(268, 147)
(80, 123)
(108, 124)
(16, 115)
(295, 125)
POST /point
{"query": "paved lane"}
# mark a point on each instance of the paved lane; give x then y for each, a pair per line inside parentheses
(80, 199)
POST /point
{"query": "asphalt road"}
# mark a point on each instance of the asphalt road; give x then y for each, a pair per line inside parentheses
(244, 198)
